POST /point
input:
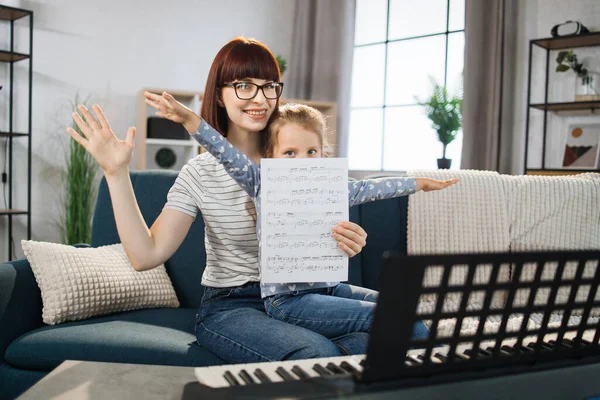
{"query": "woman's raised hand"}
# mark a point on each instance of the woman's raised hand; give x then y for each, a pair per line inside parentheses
(111, 153)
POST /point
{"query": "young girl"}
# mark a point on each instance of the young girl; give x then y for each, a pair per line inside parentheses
(231, 321)
(329, 308)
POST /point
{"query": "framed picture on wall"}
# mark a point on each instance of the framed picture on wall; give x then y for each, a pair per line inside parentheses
(581, 146)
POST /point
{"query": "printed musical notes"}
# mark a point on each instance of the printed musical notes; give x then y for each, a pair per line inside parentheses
(301, 201)
(284, 266)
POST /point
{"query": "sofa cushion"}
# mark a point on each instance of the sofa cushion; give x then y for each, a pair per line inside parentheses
(354, 269)
(157, 336)
(186, 266)
(79, 283)
(385, 224)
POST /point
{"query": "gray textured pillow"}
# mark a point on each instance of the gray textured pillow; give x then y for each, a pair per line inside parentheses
(79, 283)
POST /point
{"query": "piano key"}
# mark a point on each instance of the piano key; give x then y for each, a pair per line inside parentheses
(414, 360)
(546, 346)
(355, 363)
(262, 377)
(508, 349)
(302, 374)
(214, 376)
(321, 370)
(246, 377)
(235, 371)
(346, 365)
(230, 378)
(503, 352)
(211, 376)
(481, 353)
(335, 369)
(285, 375)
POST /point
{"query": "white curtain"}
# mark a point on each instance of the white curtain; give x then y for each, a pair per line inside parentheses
(320, 66)
(488, 117)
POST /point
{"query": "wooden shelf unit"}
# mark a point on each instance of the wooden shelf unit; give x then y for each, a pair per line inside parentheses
(568, 106)
(140, 159)
(9, 132)
(549, 44)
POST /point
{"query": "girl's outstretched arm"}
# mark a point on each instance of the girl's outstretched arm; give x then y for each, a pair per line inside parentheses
(366, 190)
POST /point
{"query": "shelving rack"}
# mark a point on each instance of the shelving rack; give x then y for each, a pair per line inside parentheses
(549, 44)
(10, 57)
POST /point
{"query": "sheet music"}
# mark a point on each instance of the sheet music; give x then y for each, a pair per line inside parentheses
(301, 201)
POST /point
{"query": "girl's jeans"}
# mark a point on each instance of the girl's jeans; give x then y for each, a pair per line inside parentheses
(339, 310)
(232, 324)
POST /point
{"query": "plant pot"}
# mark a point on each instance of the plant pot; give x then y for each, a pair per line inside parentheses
(444, 163)
(587, 88)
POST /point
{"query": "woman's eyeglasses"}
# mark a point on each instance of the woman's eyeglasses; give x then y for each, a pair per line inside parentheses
(248, 90)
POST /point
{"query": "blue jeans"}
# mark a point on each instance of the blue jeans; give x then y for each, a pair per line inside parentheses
(339, 310)
(232, 324)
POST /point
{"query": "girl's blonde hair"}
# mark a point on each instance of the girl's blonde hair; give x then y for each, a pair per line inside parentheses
(307, 117)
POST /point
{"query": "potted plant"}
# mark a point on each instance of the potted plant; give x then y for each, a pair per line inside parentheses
(445, 113)
(79, 192)
(282, 63)
(586, 87)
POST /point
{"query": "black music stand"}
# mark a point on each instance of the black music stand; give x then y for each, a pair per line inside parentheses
(542, 284)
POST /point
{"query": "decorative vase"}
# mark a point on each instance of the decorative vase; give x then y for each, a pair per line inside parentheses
(444, 163)
(587, 88)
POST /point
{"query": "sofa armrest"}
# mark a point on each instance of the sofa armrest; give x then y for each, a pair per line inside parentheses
(20, 302)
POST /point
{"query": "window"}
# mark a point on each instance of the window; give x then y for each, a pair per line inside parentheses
(398, 46)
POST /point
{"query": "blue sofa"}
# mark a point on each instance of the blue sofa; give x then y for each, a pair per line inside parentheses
(30, 349)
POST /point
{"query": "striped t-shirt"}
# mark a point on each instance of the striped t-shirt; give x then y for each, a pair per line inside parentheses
(229, 216)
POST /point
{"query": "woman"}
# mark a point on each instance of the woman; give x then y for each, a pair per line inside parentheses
(231, 321)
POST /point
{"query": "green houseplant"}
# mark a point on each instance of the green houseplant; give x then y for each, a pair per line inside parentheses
(79, 191)
(445, 112)
(567, 60)
(282, 63)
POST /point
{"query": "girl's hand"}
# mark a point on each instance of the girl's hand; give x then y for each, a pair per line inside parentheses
(351, 237)
(173, 110)
(111, 153)
(427, 184)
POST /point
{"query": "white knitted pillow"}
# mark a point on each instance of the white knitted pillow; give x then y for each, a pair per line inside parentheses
(79, 283)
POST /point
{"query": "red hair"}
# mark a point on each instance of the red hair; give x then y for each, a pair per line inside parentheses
(240, 58)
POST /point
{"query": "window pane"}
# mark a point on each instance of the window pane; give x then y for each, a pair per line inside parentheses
(416, 18)
(457, 15)
(454, 151)
(364, 142)
(368, 76)
(410, 64)
(456, 62)
(410, 142)
(370, 22)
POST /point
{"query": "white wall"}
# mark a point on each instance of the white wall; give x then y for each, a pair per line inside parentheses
(537, 17)
(109, 50)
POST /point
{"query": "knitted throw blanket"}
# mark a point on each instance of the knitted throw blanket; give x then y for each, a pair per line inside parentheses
(554, 212)
(470, 216)
(488, 212)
